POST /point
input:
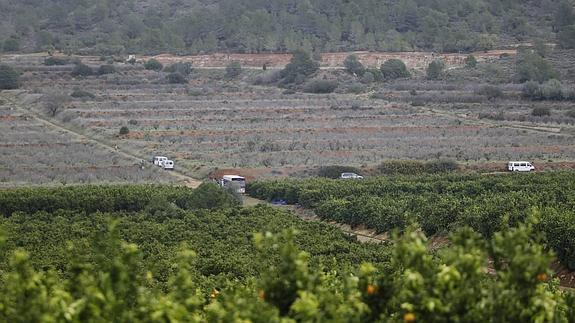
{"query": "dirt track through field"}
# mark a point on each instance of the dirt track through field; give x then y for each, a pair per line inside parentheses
(184, 179)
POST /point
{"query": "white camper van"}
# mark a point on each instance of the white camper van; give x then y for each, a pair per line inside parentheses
(520, 166)
(168, 164)
(158, 160)
(234, 181)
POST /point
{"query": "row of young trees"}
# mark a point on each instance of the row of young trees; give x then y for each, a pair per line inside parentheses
(441, 203)
(119, 26)
(70, 265)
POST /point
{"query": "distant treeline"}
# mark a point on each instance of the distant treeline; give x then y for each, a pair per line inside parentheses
(190, 27)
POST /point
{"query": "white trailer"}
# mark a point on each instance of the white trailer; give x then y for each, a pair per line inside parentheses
(168, 164)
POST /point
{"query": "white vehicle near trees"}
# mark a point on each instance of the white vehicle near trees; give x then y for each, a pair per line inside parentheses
(350, 176)
(234, 181)
(520, 166)
(168, 164)
(158, 160)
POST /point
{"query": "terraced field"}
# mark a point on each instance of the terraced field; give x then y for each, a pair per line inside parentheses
(212, 122)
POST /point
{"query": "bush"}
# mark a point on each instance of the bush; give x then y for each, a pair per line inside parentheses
(82, 70)
(299, 68)
(11, 45)
(334, 172)
(106, 69)
(470, 61)
(176, 78)
(435, 69)
(9, 78)
(550, 90)
(81, 94)
(353, 65)
(367, 78)
(414, 167)
(532, 67)
(566, 37)
(233, 70)
(153, 65)
(184, 68)
(570, 113)
(124, 131)
(541, 112)
(52, 61)
(320, 86)
(490, 91)
(393, 69)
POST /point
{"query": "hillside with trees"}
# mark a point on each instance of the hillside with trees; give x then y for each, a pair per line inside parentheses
(250, 26)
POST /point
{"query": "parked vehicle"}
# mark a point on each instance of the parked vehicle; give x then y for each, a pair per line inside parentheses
(158, 160)
(350, 176)
(236, 181)
(168, 164)
(520, 166)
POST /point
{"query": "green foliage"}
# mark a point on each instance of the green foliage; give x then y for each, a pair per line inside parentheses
(367, 78)
(439, 203)
(490, 91)
(106, 69)
(11, 44)
(53, 61)
(393, 69)
(9, 78)
(413, 167)
(566, 37)
(184, 68)
(541, 112)
(353, 65)
(153, 65)
(532, 67)
(124, 130)
(320, 86)
(550, 90)
(435, 69)
(233, 70)
(82, 70)
(82, 94)
(470, 61)
(300, 67)
(176, 78)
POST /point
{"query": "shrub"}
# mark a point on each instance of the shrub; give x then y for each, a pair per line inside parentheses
(153, 65)
(541, 112)
(320, 86)
(435, 69)
(367, 78)
(335, 171)
(80, 94)
(124, 131)
(355, 88)
(532, 67)
(11, 44)
(184, 68)
(470, 61)
(51, 61)
(82, 70)
(353, 65)
(233, 70)
(566, 37)
(414, 167)
(570, 113)
(299, 68)
(133, 122)
(490, 91)
(176, 78)
(393, 69)
(550, 90)
(106, 69)
(9, 78)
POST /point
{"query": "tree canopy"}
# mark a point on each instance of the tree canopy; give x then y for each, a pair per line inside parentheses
(121, 26)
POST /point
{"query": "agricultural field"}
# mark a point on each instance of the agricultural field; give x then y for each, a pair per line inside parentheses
(37, 152)
(215, 122)
(164, 253)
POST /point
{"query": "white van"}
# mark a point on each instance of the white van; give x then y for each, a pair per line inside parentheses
(350, 176)
(158, 160)
(520, 166)
(168, 164)
(238, 182)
